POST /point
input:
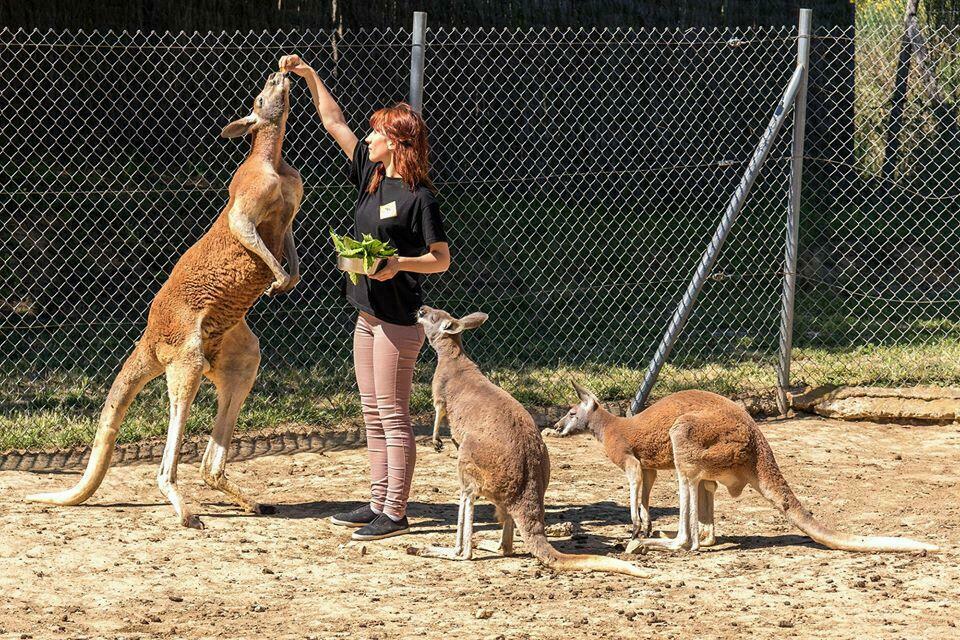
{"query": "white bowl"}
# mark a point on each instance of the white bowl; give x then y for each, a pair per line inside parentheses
(355, 265)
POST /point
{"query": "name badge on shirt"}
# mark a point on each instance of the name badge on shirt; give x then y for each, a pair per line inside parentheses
(388, 210)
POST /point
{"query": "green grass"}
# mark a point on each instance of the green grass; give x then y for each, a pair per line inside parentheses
(935, 363)
(64, 407)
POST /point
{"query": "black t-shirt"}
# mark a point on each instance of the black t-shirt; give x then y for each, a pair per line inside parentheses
(410, 221)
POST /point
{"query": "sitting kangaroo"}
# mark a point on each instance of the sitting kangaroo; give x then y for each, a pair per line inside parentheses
(501, 455)
(196, 323)
(708, 439)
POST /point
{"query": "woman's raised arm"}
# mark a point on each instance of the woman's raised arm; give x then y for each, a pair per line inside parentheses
(330, 113)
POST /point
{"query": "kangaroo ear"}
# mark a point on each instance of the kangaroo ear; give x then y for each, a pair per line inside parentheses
(586, 396)
(451, 327)
(474, 320)
(240, 127)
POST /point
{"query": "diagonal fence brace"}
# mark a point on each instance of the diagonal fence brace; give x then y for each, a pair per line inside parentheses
(709, 256)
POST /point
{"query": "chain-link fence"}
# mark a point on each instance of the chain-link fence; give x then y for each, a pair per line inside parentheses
(879, 275)
(581, 173)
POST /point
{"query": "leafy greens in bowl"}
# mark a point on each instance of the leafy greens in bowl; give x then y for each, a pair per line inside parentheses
(360, 257)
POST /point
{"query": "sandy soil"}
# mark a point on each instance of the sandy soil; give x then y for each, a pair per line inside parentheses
(121, 567)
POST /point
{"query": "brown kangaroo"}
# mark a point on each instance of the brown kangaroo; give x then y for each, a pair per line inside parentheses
(707, 439)
(196, 324)
(501, 455)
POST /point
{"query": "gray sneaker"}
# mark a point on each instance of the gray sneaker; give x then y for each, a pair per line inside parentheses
(383, 527)
(359, 517)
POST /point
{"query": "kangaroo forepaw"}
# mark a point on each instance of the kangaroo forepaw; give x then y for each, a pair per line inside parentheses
(280, 285)
(437, 445)
(192, 521)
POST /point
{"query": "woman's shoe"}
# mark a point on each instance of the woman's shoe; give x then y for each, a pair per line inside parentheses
(383, 527)
(362, 515)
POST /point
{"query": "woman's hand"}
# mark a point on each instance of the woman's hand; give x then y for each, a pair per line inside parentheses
(390, 269)
(295, 64)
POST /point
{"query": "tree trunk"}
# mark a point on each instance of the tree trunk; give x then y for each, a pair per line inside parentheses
(899, 98)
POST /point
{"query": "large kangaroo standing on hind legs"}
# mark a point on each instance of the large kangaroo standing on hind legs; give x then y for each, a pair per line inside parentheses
(196, 324)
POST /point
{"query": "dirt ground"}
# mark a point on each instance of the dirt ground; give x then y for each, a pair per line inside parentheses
(121, 567)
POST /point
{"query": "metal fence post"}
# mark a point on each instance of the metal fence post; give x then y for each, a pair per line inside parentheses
(713, 249)
(793, 214)
(416, 59)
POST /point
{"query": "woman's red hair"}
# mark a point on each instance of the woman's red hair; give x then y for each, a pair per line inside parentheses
(406, 129)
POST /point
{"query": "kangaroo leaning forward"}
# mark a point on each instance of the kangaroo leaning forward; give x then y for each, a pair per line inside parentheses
(707, 439)
(501, 455)
(196, 324)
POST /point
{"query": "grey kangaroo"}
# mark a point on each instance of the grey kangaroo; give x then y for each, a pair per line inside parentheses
(501, 455)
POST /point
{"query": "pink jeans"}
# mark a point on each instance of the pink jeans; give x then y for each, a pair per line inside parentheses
(384, 355)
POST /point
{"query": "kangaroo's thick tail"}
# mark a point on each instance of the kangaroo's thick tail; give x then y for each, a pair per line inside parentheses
(535, 539)
(773, 486)
(138, 370)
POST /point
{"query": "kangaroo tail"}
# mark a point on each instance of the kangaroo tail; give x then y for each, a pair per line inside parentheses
(773, 486)
(536, 540)
(139, 368)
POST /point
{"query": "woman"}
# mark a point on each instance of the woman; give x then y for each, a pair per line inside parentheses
(395, 203)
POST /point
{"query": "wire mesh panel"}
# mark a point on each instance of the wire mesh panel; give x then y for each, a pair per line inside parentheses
(113, 166)
(878, 293)
(580, 172)
(584, 171)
